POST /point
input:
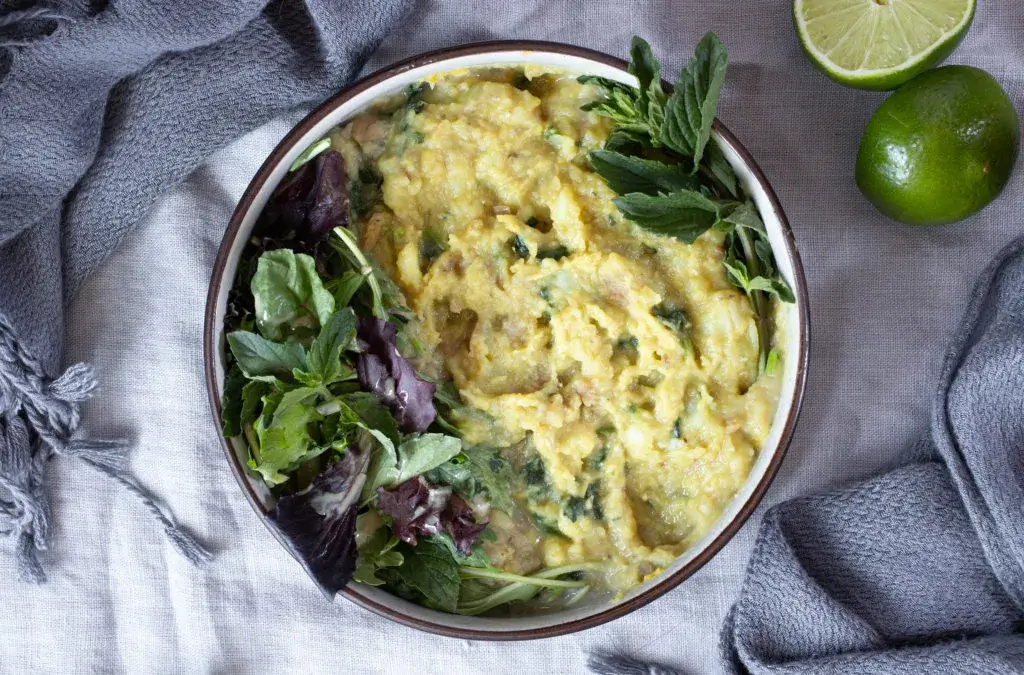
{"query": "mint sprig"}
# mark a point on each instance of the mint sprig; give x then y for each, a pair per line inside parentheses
(673, 181)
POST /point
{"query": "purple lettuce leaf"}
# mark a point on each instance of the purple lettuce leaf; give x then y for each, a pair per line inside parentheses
(419, 509)
(460, 525)
(390, 377)
(307, 205)
(320, 521)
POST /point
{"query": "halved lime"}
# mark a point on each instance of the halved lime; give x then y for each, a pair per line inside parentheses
(880, 44)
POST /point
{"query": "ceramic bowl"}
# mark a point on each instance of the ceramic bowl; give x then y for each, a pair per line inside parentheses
(574, 60)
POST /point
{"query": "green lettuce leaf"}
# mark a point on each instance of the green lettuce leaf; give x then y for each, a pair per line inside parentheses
(289, 297)
(324, 359)
(260, 358)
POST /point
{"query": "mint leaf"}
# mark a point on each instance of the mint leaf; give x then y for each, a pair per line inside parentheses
(288, 295)
(720, 168)
(745, 215)
(647, 69)
(431, 572)
(749, 259)
(750, 266)
(773, 286)
(324, 358)
(621, 103)
(691, 109)
(739, 275)
(625, 174)
(684, 214)
(260, 358)
(626, 142)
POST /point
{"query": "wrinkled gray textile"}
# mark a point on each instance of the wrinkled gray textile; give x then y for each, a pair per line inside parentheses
(920, 569)
(104, 108)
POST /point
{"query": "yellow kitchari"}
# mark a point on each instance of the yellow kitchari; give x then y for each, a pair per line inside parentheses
(618, 368)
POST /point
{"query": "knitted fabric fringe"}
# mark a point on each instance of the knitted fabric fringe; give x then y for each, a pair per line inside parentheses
(39, 417)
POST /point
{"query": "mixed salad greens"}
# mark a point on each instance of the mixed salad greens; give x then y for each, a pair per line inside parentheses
(371, 478)
(372, 483)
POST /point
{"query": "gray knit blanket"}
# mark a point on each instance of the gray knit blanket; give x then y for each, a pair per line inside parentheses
(102, 108)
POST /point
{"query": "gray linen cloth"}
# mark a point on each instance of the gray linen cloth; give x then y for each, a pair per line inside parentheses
(105, 107)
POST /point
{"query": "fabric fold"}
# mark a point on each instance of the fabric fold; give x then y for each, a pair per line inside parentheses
(103, 110)
(919, 569)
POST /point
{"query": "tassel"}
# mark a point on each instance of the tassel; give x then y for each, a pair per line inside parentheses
(613, 664)
(38, 419)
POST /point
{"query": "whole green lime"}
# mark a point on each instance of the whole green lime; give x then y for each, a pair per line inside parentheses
(940, 148)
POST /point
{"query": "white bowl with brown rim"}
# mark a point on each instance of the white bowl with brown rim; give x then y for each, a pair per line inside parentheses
(573, 60)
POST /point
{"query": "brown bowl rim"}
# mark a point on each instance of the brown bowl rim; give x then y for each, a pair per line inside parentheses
(218, 279)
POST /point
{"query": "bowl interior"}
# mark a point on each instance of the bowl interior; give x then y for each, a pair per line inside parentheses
(793, 332)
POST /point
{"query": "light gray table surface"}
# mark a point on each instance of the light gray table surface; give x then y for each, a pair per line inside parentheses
(884, 299)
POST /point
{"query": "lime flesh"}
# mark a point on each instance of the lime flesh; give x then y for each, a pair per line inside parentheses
(880, 44)
(940, 148)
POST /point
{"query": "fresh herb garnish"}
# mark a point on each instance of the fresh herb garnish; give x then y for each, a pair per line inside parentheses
(428, 574)
(376, 552)
(263, 359)
(683, 214)
(626, 174)
(672, 180)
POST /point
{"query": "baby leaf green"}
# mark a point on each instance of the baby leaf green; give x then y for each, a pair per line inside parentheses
(288, 295)
(419, 454)
(284, 438)
(345, 287)
(231, 408)
(479, 470)
(337, 334)
(260, 358)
